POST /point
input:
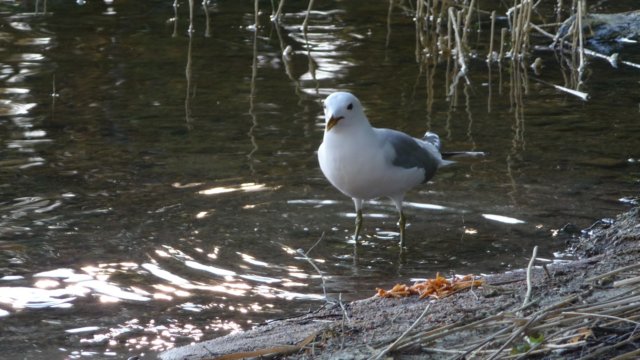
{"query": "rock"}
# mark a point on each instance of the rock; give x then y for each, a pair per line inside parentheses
(605, 33)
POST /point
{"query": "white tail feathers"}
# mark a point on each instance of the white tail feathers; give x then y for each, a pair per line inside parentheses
(432, 138)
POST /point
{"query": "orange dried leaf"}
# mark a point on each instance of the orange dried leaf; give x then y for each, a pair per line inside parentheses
(438, 287)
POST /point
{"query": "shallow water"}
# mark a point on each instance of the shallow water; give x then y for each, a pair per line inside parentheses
(155, 187)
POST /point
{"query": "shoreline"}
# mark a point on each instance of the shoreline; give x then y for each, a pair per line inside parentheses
(587, 307)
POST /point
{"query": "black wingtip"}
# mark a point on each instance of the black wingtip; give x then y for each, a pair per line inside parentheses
(456, 154)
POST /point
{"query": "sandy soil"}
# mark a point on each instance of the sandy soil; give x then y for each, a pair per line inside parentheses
(588, 308)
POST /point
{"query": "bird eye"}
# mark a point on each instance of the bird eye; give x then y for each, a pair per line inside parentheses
(350, 106)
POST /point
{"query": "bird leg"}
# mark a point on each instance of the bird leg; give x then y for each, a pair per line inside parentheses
(358, 225)
(402, 223)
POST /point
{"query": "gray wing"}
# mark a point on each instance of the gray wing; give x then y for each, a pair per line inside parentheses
(411, 152)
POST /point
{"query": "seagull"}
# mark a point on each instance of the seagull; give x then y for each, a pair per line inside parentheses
(364, 162)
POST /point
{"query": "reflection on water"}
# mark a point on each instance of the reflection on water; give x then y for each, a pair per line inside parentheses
(59, 288)
(159, 178)
(66, 288)
(248, 187)
(503, 219)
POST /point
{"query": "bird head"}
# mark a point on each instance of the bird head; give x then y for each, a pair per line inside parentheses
(344, 110)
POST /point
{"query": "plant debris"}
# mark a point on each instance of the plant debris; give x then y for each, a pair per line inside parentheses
(437, 288)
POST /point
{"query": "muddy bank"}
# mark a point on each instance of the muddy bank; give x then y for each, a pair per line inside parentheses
(588, 308)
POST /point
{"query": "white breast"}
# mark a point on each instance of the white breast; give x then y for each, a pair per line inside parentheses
(361, 167)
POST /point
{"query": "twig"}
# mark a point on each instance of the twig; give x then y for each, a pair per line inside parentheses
(630, 355)
(529, 304)
(471, 288)
(503, 35)
(306, 18)
(555, 322)
(613, 272)
(600, 315)
(608, 304)
(207, 29)
(478, 348)
(460, 53)
(515, 8)
(565, 346)
(541, 31)
(547, 339)
(631, 64)
(386, 43)
(516, 333)
(306, 257)
(344, 316)
(540, 315)
(626, 282)
(191, 17)
(53, 87)
(493, 27)
(527, 297)
(448, 329)
(314, 245)
(612, 59)
(393, 345)
(256, 21)
(344, 310)
(580, 38)
(467, 21)
(604, 350)
(580, 94)
(275, 17)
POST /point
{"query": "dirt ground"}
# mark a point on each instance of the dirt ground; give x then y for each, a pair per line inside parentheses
(584, 309)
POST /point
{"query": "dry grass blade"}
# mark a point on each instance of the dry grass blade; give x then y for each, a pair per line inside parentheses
(580, 14)
(599, 354)
(275, 16)
(478, 348)
(305, 23)
(625, 282)
(459, 45)
(527, 297)
(467, 21)
(600, 315)
(447, 330)
(515, 334)
(635, 354)
(613, 272)
(393, 345)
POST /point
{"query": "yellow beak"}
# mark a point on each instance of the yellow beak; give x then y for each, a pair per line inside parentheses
(333, 121)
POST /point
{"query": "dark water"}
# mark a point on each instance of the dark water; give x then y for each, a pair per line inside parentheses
(154, 187)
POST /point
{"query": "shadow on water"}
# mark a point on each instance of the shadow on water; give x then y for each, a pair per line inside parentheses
(157, 183)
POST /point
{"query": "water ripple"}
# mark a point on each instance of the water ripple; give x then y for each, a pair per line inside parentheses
(9, 107)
